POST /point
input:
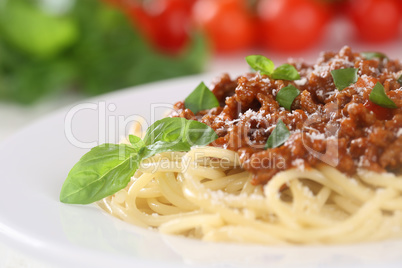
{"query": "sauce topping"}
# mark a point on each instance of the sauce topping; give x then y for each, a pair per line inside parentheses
(342, 128)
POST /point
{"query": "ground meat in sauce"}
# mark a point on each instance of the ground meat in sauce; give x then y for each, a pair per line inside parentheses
(340, 128)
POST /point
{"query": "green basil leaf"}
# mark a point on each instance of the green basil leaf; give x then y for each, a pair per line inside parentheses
(286, 72)
(166, 130)
(278, 136)
(201, 99)
(379, 97)
(136, 142)
(261, 64)
(399, 80)
(286, 96)
(373, 55)
(101, 172)
(266, 66)
(344, 77)
(107, 168)
(176, 134)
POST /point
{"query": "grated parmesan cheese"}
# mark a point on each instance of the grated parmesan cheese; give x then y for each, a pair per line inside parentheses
(399, 133)
(301, 82)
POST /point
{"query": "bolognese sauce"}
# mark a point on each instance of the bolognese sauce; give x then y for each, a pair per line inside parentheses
(342, 128)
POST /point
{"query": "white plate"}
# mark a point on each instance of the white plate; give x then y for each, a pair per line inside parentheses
(35, 162)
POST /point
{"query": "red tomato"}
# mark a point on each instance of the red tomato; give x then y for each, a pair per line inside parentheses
(166, 23)
(381, 113)
(226, 23)
(291, 25)
(375, 20)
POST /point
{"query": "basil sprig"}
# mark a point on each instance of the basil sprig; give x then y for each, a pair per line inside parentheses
(369, 55)
(278, 136)
(379, 97)
(107, 168)
(267, 67)
(201, 99)
(344, 77)
(286, 96)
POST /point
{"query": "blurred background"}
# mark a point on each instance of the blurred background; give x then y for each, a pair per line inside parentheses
(56, 52)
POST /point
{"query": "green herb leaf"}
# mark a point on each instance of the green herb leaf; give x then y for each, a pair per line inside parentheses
(176, 134)
(136, 142)
(278, 136)
(379, 97)
(399, 80)
(373, 55)
(101, 172)
(261, 64)
(267, 67)
(286, 72)
(201, 99)
(286, 96)
(108, 168)
(344, 77)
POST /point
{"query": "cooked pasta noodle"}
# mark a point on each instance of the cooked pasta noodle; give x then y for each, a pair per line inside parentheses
(205, 194)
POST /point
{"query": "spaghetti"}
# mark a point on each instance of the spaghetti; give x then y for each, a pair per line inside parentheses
(215, 201)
